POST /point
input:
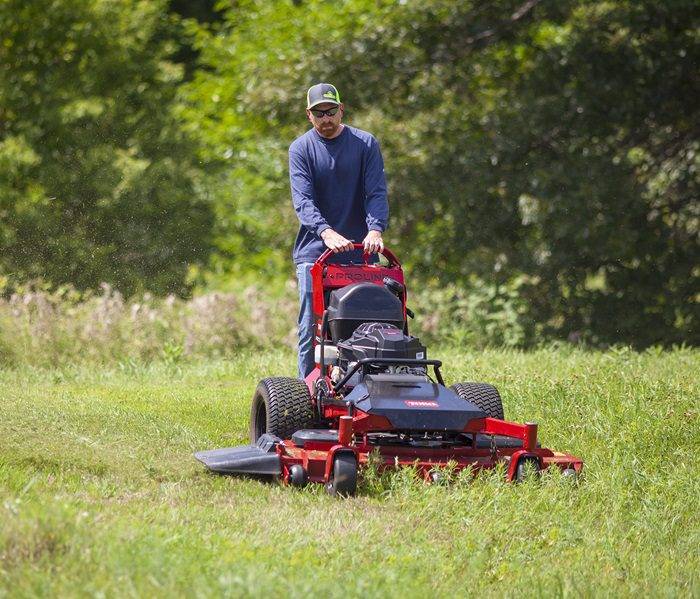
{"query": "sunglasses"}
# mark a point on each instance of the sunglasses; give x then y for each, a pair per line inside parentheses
(321, 113)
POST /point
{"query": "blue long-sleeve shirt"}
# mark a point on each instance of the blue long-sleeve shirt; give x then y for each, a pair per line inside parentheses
(339, 184)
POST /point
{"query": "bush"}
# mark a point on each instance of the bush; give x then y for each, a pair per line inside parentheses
(42, 327)
(477, 315)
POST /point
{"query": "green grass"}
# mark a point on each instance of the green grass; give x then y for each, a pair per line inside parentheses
(100, 495)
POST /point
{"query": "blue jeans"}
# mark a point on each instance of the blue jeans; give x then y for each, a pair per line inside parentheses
(305, 321)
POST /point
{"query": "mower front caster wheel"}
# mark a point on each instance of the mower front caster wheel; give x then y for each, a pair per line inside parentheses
(344, 478)
(297, 475)
(527, 466)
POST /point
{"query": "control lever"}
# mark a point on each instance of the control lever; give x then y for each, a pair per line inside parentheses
(398, 290)
(394, 286)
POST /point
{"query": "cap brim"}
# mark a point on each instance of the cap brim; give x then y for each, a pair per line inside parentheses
(323, 101)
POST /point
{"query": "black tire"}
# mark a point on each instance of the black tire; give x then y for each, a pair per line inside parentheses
(297, 475)
(281, 406)
(483, 395)
(344, 478)
(527, 466)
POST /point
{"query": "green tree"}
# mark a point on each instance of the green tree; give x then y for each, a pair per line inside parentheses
(552, 140)
(98, 182)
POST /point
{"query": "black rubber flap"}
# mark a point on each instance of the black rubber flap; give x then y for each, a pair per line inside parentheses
(414, 405)
(260, 458)
(324, 435)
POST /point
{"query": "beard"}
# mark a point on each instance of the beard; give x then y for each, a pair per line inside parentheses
(328, 129)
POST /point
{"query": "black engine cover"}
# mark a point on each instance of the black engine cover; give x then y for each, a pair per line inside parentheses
(412, 405)
(380, 340)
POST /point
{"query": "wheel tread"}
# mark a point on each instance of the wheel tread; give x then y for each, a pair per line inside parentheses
(483, 395)
(288, 405)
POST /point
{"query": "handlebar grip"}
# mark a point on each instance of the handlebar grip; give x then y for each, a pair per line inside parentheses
(388, 254)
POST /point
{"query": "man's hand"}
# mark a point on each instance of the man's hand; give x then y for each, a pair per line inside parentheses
(373, 242)
(335, 241)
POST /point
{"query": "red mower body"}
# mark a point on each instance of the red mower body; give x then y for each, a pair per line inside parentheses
(371, 398)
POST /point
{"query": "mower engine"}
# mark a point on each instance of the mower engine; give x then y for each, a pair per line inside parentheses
(376, 340)
(353, 318)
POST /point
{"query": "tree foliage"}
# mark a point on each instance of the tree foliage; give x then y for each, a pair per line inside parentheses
(552, 141)
(97, 180)
(540, 155)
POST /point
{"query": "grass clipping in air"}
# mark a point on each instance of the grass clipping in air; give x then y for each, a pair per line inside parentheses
(99, 493)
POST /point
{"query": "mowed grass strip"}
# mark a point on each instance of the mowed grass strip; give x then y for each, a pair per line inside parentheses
(100, 495)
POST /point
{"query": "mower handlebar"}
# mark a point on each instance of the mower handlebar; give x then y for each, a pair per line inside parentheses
(388, 254)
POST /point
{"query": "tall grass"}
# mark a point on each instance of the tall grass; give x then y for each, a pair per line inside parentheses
(43, 327)
(100, 495)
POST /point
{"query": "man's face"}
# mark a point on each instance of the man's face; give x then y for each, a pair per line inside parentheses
(327, 126)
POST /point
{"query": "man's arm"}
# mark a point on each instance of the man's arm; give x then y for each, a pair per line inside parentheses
(302, 186)
(376, 203)
(309, 215)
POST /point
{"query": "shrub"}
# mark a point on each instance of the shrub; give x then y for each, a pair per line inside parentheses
(478, 315)
(43, 327)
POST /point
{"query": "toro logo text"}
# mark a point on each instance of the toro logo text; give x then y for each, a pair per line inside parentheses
(421, 403)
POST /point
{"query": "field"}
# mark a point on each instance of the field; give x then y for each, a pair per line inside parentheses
(99, 493)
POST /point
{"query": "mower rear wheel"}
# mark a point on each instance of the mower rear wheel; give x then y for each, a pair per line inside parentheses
(281, 406)
(344, 478)
(483, 395)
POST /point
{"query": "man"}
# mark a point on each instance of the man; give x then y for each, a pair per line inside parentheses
(339, 194)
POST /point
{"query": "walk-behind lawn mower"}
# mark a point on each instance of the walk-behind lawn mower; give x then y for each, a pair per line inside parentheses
(373, 396)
